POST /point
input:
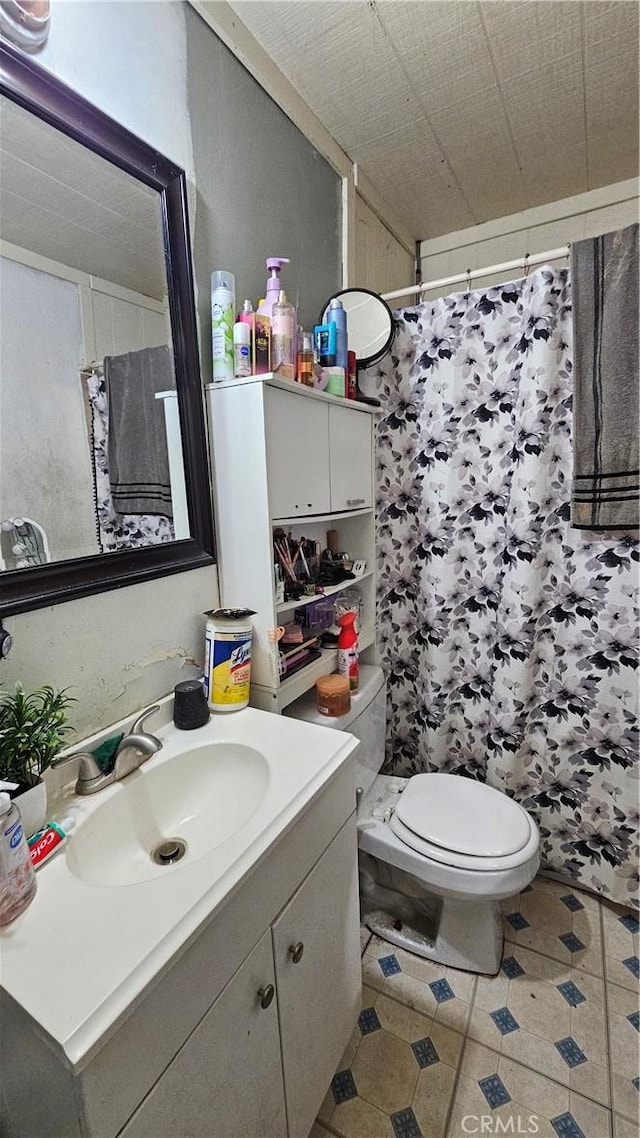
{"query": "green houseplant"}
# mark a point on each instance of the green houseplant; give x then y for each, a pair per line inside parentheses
(32, 730)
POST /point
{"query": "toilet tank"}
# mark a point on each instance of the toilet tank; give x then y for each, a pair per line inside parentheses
(366, 719)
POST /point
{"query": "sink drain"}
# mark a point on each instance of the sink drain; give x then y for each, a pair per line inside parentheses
(169, 852)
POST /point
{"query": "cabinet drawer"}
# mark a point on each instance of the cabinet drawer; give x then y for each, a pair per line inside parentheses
(297, 438)
(350, 439)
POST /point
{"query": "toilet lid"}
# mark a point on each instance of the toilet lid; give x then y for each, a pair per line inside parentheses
(462, 815)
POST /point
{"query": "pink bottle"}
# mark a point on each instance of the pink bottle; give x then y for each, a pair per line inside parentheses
(274, 285)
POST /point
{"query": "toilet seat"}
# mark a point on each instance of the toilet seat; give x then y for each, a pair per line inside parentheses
(462, 823)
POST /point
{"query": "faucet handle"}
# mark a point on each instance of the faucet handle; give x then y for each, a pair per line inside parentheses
(137, 726)
(87, 766)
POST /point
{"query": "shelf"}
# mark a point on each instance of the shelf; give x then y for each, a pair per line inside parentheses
(301, 681)
(329, 590)
(336, 516)
(299, 388)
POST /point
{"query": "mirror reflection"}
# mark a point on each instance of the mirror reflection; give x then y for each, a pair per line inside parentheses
(90, 447)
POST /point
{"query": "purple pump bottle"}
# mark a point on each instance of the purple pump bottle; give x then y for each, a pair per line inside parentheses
(274, 285)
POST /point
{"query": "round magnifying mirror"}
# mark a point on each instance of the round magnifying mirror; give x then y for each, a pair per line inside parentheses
(370, 324)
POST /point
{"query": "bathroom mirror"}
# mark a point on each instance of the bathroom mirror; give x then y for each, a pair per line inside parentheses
(103, 461)
(369, 323)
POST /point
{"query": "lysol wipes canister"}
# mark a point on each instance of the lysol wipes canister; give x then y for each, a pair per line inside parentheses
(227, 658)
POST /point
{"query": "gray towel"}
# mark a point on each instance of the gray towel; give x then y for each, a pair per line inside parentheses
(137, 449)
(606, 458)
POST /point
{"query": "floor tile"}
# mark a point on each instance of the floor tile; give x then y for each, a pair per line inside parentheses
(624, 1041)
(536, 1000)
(432, 1099)
(359, 1119)
(444, 994)
(535, 1103)
(620, 944)
(625, 1128)
(385, 1071)
(561, 923)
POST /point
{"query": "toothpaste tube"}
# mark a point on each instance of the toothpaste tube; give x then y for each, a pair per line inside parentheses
(48, 840)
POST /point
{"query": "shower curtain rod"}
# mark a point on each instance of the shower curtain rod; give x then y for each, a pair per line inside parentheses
(523, 263)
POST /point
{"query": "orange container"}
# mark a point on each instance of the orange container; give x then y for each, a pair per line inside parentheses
(334, 697)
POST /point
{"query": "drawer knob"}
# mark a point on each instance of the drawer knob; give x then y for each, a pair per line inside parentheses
(295, 951)
(355, 501)
(266, 995)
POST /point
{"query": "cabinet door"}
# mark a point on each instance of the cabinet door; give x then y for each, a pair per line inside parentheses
(297, 432)
(319, 996)
(226, 1079)
(350, 448)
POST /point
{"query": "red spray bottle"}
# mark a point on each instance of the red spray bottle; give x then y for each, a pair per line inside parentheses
(348, 662)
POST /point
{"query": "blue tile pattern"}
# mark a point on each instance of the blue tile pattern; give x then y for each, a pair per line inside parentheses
(571, 993)
(517, 921)
(368, 1021)
(631, 923)
(511, 968)
(343, 1086)
(570, 1052)
(572, 903)
(494, 1091)
(566, 1126)
(633, 964)
(389, 965)
(634, 1020)
(405, 1124)
(425, 1052)
(504, 1021)
(442, 991)
(571, 941)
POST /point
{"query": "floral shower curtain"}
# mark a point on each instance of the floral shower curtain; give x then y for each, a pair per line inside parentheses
(509, 642)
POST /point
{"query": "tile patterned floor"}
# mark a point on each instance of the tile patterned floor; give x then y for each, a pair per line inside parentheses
(549, 1046)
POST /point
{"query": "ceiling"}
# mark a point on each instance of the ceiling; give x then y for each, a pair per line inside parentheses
(460, 112)
(62, 201)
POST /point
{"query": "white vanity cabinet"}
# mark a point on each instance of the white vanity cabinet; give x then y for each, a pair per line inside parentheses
(262, 1058)
(287, 456)
(240, 1032)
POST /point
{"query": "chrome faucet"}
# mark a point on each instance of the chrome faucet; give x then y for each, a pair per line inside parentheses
(133, 750)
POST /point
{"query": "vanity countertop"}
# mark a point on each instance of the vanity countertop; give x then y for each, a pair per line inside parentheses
(82, 953)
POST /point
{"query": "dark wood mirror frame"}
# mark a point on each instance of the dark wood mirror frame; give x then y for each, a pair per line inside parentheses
(29, 85)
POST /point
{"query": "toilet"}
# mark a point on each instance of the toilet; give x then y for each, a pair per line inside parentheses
(437, 852)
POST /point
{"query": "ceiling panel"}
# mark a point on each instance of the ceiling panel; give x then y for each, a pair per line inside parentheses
(459, 111)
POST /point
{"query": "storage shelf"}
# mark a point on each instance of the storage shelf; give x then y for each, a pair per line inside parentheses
(301, 681)
(299, 388)
(334, 516)
(328, 591)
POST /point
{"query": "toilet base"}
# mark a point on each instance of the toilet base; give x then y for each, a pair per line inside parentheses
(458, 933)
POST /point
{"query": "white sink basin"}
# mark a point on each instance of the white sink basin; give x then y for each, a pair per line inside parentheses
(200, 797)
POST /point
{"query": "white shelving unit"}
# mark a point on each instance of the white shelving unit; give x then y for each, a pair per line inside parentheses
(289, 457)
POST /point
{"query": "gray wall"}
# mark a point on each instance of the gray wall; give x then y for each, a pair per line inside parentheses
(262, 190)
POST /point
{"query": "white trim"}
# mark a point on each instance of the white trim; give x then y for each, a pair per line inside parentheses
(522, 264)
(376, 203)
(43, 264)
(531, 218)
(349, 232)
(119, 292)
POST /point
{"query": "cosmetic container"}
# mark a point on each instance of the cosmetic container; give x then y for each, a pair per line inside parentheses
(283, 338)
(352, 376)
(336, 315)
(334, 697)
(223, 305)
(324, 336)
(17, 877)
(274, 285)
(304, 373)
(261, 345)
(241, 349)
